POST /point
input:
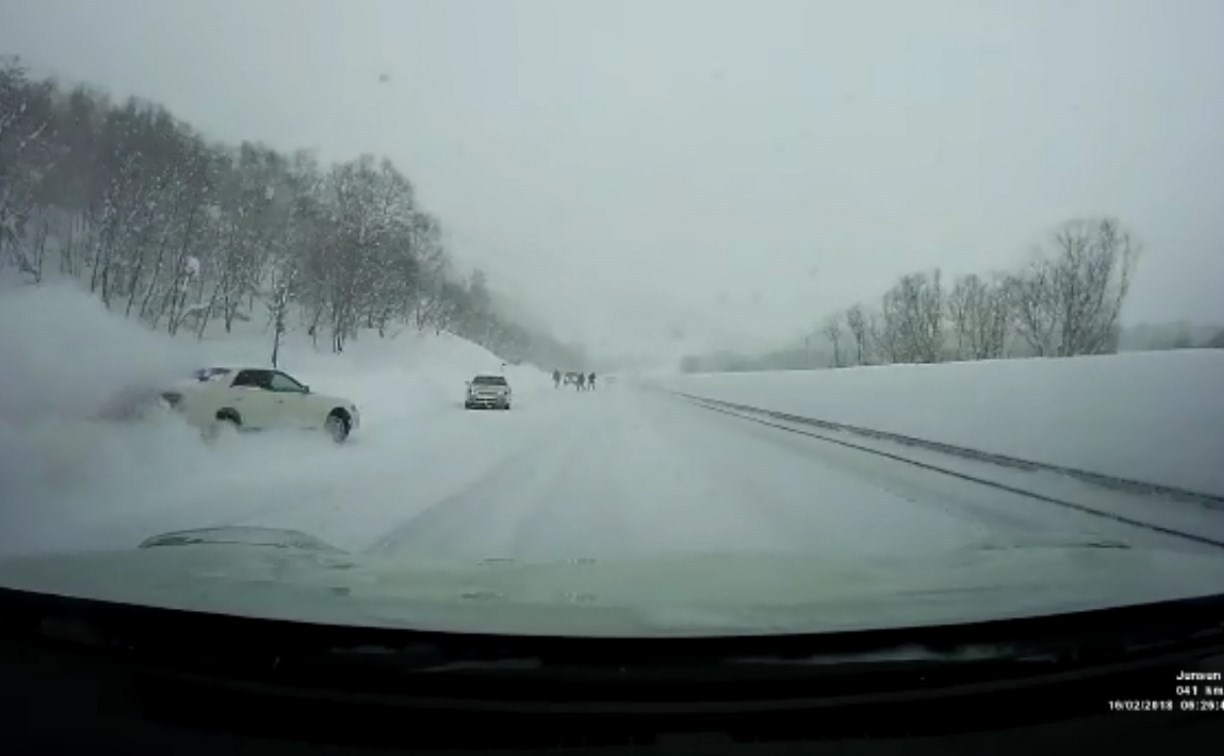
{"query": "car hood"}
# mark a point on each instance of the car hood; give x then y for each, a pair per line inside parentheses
(287, 575)
(336, 401)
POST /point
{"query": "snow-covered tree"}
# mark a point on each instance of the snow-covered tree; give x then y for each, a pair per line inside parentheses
(188, 235)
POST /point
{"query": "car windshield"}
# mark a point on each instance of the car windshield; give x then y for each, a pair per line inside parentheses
(282, 382)
(631, 317)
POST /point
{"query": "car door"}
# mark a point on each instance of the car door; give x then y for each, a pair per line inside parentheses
(292, 403)
(251, 395)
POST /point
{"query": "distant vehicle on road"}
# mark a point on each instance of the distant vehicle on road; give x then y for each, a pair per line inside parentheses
(571, 378)
(259, 399)
(490, 391)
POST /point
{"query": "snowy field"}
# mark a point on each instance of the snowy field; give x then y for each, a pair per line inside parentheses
(1152, 416)
(621, 472)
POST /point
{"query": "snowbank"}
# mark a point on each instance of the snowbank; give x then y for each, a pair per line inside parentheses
(1153, 416)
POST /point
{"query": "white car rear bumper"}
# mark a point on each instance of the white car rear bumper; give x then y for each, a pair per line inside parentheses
(487, 400)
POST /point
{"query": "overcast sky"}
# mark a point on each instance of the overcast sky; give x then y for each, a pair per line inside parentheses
(660, 174)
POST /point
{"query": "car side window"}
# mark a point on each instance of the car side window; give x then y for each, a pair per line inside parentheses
(282, 382)
(253, 379)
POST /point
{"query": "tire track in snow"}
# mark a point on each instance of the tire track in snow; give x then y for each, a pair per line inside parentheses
(657, 478)
(461, 523)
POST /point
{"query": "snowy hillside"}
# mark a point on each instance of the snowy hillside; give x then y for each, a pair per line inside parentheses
(1153, 416)
(65, 334)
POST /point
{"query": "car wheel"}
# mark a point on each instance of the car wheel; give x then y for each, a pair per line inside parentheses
(227, 423)
(337, 427)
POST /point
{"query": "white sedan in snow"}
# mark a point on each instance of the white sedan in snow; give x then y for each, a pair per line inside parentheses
(257, 399)
(487, 391)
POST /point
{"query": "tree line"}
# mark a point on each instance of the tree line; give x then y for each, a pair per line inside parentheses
(187, 235)
(1064, 302)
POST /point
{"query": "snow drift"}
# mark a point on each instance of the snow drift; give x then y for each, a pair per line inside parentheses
(1152, 416)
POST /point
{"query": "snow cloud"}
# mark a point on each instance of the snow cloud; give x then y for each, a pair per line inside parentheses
(65, 356)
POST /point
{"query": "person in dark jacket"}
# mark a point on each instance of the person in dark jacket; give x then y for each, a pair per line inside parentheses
(556, 378)
(591, 381)
(581, 381)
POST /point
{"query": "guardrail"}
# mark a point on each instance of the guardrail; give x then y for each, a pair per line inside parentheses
(1212, 501)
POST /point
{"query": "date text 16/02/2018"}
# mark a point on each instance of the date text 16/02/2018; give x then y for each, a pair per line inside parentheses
(1134, 704)
(1165, 704)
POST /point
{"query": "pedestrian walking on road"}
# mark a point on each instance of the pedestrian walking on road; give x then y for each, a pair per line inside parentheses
(591, 381)
(556, 378)
(581, 381)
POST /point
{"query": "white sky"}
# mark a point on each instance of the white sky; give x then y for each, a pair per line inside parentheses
(652, 175)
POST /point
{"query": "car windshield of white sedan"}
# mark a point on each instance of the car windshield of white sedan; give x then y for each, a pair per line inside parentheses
(489, 380)
(613, 317)
(282, 382)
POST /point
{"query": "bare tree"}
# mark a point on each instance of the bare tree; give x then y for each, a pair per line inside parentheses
(1068, 299)
(279, 294)
(25, 113)
(979, 314)
(856, 322)
(832, 330)
(1031, 294)
(960, 307)
(912, 327)
(993, 319)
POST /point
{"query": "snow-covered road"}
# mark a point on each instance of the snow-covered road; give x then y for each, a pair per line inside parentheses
(624, 471)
